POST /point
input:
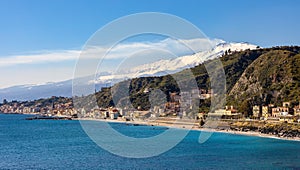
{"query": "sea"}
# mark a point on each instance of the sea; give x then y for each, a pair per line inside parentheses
(63, 144)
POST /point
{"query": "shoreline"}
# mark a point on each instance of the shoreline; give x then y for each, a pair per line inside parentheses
(249, 133)
(194, 128)
(191, 126)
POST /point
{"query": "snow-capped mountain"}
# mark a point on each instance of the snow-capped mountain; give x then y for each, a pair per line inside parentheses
(170, 66)
(158, 68)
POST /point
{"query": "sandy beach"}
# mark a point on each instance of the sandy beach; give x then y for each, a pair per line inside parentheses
(249, 133)
(189, 125)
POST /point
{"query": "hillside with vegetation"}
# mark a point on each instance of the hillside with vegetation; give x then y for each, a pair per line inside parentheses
(252, 76)
(274, 77)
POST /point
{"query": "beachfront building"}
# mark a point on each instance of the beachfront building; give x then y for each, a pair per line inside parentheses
(141, 114)
(265, 112)
(282, 111)
(276, 111)
(228, 113)
(101, 113)
(256, 110)
(157, 111)
(113, 113)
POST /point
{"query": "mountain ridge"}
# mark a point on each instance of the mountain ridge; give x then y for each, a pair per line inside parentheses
(236, 65)
(64, 88)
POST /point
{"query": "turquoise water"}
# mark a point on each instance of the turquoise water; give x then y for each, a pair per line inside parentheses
(50, 144)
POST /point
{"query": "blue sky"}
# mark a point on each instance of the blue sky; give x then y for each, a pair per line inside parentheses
(42, 26)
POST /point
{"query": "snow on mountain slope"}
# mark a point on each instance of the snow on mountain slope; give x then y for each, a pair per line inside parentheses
(164, 67)
(158, 68)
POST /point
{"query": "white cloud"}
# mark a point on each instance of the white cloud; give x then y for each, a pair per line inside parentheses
(54, 56)
(55, 66)
(120, 51)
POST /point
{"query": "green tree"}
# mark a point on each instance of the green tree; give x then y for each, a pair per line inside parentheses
(245, 108)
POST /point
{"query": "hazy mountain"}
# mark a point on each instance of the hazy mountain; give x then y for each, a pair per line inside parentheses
(28, 92)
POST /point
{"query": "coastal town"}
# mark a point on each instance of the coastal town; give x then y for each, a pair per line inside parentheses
(172, 108)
